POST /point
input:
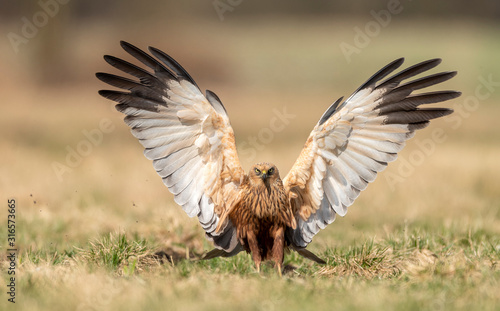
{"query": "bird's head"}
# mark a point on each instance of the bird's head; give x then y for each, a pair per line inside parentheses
(264, 174)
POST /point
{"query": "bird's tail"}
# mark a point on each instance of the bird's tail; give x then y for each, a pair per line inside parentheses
(214, 253)
(308, 254)
(221, 253)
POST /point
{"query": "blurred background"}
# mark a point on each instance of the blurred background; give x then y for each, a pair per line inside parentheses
(78, 172)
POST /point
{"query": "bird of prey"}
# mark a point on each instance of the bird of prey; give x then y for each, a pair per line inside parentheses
(188, 137)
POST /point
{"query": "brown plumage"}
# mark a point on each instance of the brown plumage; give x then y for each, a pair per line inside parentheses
(188, 137)
(263, 214)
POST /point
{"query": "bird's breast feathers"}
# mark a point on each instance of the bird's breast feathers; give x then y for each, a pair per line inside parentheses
(262, 204)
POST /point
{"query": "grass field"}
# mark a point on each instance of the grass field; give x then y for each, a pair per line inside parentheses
(97, 230)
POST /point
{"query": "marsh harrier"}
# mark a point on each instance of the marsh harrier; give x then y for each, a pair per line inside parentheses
(188, 137)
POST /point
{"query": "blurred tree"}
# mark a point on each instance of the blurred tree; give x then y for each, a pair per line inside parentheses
(47, 55)
(12, 10)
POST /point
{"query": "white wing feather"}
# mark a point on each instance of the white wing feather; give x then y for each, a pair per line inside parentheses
(354, 140)
(187, 136)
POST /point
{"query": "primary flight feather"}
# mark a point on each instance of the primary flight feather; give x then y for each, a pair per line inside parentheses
(188, 137)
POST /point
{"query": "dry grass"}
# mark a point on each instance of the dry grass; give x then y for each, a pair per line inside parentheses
(109, 236)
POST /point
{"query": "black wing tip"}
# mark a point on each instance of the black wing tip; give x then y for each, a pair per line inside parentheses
(429, 64)
(113, 95)
(437, 113)
(173, 65)
(109, 78)
(426, 81)
(451, 94)
(381, 74)
(449, 74)
(398, 61)
(442, 76)
(124, 43)
(109, 93)
(134, 50)
(434, 61)
(103, 76)
(215, 101)
(438, 60)
(330, 111)
(157, 50)
(446, 111)
(212, 94)
(395, 64)
(416, 116)
(129, 47)
(103, 92)
(110, 59)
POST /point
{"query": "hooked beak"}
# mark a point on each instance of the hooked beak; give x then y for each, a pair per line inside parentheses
(265, 179)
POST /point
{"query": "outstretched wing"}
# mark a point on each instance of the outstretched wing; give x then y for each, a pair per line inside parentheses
(186, 135)
(355, 139)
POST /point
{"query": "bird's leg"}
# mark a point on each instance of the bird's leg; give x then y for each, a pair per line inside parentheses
(254, 249)
(278, 248)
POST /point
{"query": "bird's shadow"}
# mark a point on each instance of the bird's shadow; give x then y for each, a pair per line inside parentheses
(172, 256)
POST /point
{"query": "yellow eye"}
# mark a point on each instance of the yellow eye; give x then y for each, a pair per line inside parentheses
(270, 171)
(257, 171)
